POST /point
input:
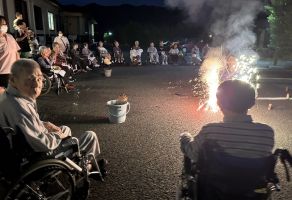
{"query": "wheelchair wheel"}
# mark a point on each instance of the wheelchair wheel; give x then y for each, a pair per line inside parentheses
(47, 84)
(46, 180)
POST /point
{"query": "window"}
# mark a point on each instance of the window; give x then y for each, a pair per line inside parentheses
(21, 6)
(38, 18)
(51, 21)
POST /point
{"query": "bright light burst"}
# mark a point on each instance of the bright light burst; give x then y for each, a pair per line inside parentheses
(213, 83)
(217, 68)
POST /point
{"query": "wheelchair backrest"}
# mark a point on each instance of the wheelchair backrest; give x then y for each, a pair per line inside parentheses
(10, 164)
(230, 174)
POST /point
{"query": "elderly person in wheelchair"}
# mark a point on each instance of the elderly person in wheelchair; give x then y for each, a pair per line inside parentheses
(58, 77)
(153, 54)
(103, 53)
(43, 155)
(136, 54)
(231, 157)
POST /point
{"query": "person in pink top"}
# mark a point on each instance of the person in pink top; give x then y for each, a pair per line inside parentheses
(8, 53)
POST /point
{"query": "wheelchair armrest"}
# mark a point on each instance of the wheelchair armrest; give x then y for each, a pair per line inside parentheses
(8, 130)
(68, 147)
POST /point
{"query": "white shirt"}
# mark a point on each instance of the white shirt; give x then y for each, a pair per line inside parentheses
(63, 42)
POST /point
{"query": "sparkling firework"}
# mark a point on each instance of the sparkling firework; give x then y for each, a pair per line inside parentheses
(218, 67)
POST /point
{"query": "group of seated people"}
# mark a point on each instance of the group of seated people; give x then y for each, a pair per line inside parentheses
(66, 65)
(172, 54)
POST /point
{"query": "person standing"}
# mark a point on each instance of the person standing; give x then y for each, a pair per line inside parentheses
(22, 37)
(63, 42)
(18, 16)
(8, 53)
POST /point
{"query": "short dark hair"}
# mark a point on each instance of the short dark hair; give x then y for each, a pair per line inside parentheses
(2, 18)
(17, 14)
(235, 95)
(20, 22)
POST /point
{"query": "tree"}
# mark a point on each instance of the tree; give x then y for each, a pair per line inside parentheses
(280, 17)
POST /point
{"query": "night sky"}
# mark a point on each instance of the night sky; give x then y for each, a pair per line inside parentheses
(114, 2)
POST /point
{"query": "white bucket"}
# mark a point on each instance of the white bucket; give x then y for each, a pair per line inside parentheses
(117, 113)
(107, 72)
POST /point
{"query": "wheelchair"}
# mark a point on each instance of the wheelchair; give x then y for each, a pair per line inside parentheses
(53, 80)
(218, 176)
(136, 56)
(153, 58)
(25, 174)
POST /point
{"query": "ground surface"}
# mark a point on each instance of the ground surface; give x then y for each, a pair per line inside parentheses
(144, 154)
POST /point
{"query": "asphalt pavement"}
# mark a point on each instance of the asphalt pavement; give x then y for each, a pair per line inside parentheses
(145, 160)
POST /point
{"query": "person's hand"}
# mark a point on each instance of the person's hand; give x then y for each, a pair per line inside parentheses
(52, 127)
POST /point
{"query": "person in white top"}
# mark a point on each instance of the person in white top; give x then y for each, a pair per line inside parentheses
(8, 54)
(63, 42)
(136, 53)
(153, 54)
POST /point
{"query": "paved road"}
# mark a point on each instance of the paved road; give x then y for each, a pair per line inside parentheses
(144, 153)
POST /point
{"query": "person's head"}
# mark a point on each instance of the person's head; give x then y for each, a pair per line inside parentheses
(75, 46)
(45, 52)
(27, 78)
(18, 15)
(3, 25)
(161, 43)
(151, 44)
(136, 43)
(60, 33)
(116, 43)
(21, 24)
(100, 43)
(175, 45)
(235, 96)
(85, 45)
(56, 47)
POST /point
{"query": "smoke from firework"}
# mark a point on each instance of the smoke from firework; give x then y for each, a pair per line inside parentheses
(231, 21)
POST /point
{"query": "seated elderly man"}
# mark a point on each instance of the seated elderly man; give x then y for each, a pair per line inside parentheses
(18, 110)
(233, 141)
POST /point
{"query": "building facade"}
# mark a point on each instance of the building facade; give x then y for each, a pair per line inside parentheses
(41, 16)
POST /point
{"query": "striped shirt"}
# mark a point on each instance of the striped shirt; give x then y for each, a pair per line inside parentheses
(237, 136)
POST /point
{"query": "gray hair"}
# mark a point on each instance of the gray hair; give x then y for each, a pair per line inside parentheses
(22, 65)
(42, 49)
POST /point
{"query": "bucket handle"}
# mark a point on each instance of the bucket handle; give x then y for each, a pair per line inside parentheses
(128, 110)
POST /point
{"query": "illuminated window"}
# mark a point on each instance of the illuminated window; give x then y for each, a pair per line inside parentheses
(51, 21)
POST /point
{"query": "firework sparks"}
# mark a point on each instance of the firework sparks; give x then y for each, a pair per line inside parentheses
(217, 68)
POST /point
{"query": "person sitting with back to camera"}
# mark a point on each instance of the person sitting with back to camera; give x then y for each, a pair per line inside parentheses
(153, 54)
(237, 136)
(18, 110)
(136, 54)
